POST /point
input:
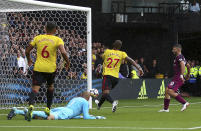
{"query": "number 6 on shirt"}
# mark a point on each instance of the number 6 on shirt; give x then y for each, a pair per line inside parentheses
(45, 53)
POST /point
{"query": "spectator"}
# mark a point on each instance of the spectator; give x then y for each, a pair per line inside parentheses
(184, 5)
(13, 62)
(134, 71)
(195, 7)
(124, 69)
(21, 63)
(94, 52)
(98, 71)
(153, 70)
(84, 74)
(144, 67)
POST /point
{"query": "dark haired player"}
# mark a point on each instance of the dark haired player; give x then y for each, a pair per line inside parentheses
(45, 65)
(177, 81)
(112, 59)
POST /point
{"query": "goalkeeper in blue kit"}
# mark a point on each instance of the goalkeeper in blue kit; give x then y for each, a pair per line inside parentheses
(73, 110)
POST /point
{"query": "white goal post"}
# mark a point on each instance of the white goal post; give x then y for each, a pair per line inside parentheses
(74, 26)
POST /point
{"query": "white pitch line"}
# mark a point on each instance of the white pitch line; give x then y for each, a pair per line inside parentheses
(148, 105)
(105, 127)
(194, 128)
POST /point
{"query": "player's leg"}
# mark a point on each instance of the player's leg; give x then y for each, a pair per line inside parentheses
(172, 91)
(51, 117)
(55, 113)
(32, 96)
(50, 94)
(40, 114)
(58, 114)
(106, 85)
(37, 80)
(14, 111)
(115, 102)
(166, 102)
(50, 91)
(179, 98)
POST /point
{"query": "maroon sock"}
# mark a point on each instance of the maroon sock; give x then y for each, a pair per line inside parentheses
(180, 99)
(166, 103)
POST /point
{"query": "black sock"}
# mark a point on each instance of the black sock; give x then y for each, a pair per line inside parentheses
(50, 93)
(109, 98)
(102, 100)
(32, 96)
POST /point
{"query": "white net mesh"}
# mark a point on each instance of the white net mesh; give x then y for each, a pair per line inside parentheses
(19, 24)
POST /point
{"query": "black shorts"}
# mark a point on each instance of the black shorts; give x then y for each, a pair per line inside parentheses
(109, 82)
(39, 78)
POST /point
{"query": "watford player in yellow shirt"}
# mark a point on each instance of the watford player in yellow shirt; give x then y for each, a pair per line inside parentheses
(112, 59)
(45, 65)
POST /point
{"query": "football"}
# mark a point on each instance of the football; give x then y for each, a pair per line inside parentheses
(94, 92)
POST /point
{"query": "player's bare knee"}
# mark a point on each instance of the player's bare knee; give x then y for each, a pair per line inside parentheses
(106, 91)
(51, 117)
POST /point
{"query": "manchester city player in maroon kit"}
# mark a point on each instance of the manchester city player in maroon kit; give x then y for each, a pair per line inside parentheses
(178, 79)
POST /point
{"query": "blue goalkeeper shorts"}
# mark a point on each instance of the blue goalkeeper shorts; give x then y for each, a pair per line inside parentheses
(62, 113)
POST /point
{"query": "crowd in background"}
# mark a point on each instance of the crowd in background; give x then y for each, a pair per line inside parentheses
(22, 29)
(18, 33)
(193, 6)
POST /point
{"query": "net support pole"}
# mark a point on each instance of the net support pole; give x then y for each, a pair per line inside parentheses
(89, 55)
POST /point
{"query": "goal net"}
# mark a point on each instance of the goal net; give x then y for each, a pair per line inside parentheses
(20, 22)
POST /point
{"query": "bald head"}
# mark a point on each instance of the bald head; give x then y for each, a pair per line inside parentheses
(86, 95)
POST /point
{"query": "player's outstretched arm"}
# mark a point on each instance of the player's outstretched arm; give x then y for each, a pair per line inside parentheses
(27, 51)
(64, 54)
(135, 64)
(86, 111)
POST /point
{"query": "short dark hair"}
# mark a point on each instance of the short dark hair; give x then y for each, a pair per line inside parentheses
(177, 46)
(50, 26)
(117, 44)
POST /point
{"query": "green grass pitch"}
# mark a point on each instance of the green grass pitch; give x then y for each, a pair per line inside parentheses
(130, 115)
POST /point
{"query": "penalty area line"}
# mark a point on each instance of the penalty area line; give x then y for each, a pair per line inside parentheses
(105, 127)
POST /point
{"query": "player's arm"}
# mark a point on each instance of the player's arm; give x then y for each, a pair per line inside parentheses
(182, 65)
(64, 55)
(27, 52)
(135, 64)
(86, 112)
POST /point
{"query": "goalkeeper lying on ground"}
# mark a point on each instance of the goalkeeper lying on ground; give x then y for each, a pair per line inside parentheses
(76, 107)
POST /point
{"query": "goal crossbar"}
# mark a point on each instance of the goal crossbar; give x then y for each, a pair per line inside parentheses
(48, 5)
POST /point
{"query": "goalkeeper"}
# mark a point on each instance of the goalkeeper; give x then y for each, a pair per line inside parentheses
(73, 109)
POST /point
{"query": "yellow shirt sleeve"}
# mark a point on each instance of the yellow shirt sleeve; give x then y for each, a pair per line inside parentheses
(60, 42)
(124, 55)
(33, 42)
